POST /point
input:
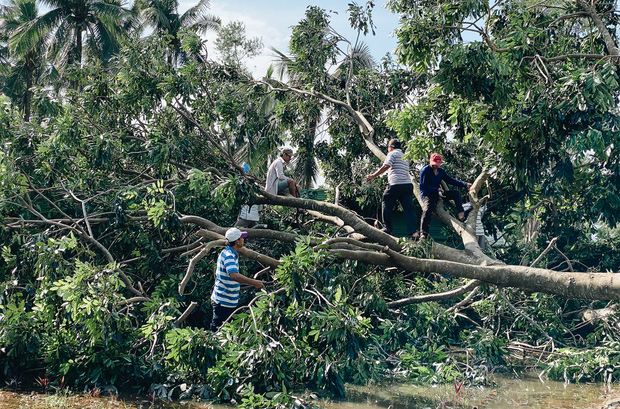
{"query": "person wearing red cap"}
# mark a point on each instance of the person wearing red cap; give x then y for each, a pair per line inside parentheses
(430, 189)
(225, 295)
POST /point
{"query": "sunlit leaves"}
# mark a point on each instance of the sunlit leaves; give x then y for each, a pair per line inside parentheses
(313, 46)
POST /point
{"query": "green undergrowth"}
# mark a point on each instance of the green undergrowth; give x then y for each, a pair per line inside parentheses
(325, 323)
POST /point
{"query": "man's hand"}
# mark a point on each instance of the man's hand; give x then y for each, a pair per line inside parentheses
(240, 278)
(377, 173)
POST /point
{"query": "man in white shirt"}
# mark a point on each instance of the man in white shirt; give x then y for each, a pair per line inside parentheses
(249, 216)
(277, 182)
(400, 188)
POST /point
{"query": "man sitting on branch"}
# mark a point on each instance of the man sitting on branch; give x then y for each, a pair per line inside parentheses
(277, 182)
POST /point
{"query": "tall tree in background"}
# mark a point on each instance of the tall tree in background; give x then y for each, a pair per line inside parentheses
(24, 61)
(313, 46)
(96, 26)
(163, 17)
(233, 45)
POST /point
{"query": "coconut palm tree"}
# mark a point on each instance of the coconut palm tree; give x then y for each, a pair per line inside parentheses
(22, 64)
(162, 16)
(75, 28)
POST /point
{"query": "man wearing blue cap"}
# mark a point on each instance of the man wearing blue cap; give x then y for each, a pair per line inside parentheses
(225, 295)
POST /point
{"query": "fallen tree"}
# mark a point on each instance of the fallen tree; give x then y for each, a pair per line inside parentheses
(113, 212)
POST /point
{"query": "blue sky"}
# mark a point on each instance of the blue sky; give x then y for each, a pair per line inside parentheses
(271, 20)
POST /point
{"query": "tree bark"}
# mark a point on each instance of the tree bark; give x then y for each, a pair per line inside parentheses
(591, 286)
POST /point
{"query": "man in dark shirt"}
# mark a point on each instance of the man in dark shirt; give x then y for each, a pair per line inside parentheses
(431, 191)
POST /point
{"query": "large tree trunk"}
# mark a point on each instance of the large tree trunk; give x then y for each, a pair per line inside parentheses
(383, 249)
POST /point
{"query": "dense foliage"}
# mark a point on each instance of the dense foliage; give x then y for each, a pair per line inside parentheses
(109, 179)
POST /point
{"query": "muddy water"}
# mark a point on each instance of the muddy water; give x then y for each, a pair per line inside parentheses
(527, 392)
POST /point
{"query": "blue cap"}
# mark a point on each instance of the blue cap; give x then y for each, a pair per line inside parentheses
(246, 167)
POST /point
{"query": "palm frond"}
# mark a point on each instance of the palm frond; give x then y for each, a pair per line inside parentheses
(282, 63)
(193, 14)
(361, 57)
(111, 14)
(207, 23)
(61, 44)
(156, 18)
(31, 35)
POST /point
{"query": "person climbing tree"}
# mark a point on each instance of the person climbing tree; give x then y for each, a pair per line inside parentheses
(431, 191)
(399, 189)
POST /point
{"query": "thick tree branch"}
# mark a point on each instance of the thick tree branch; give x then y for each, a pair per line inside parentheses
(467, 230)
(594, 286)
(590, 8)
(244, 251)
(442, 252)
(353, 242)
(347, 216)
(337, 222)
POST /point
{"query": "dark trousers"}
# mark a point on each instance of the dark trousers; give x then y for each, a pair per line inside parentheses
(429, 203)
(403, 194)
(220, 314)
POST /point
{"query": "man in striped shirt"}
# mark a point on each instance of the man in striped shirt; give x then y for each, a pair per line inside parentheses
(400, 188)
(225, 295)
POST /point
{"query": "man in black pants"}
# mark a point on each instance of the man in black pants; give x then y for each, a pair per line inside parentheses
(228, 279)
(399, 189)
(431, 191)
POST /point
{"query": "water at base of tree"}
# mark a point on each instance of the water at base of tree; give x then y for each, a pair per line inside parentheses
(524, 392)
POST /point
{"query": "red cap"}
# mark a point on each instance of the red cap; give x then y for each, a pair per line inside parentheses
(436, 159)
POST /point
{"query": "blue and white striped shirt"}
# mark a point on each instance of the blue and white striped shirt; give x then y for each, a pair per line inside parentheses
(226, 290)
